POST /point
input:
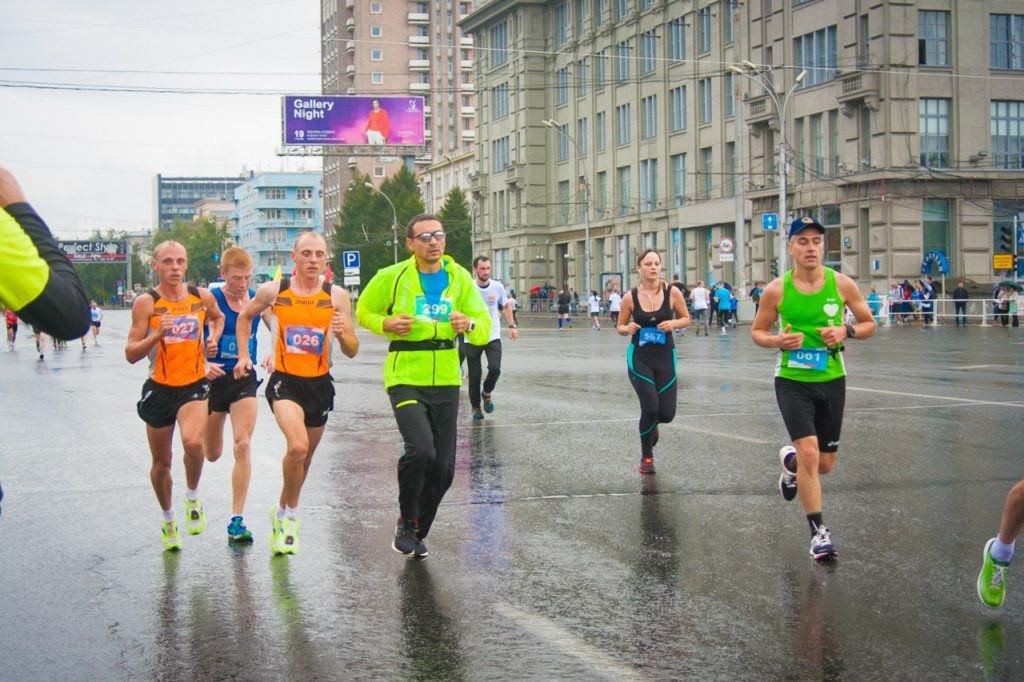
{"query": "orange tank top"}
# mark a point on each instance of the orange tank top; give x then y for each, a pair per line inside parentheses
(178, 359)
(303, 326)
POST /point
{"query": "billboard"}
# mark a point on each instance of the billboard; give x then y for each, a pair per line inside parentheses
(95, 251)
(332, 120)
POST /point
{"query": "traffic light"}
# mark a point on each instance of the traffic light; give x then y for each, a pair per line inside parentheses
(1006, 239)
(773, 266)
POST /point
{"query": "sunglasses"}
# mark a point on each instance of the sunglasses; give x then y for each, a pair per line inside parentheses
(425, 237)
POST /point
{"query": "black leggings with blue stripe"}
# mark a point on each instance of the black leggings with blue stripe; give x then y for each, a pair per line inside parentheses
(653, 375)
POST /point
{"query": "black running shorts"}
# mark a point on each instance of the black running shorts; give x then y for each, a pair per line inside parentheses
(159, 404)
(813, 409)
(314, 395)
(227, 389)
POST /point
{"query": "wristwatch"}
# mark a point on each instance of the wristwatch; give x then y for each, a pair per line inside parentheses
(512, 326)
(851, 331)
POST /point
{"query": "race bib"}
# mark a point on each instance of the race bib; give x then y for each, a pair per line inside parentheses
(304, 340)
(651, 335)
(808, 358)
(438, 311)
(229, 346)
(185, 328)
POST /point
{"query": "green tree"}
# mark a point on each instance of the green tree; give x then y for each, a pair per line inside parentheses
(100, 279)
(204, 240)
(455, 217)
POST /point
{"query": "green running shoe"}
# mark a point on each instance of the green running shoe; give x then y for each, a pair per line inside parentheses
(237, 532)
(992, 579)
(195, 517)
(276, 534)
(289, 537)
(171, 536)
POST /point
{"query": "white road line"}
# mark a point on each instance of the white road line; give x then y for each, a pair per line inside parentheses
(568, 643)
(718, 434)
(929, 396)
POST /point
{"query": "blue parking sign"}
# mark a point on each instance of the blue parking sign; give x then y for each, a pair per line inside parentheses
(770, 222)
(350, 259)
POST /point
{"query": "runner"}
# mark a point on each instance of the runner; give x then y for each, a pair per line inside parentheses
(493, 294)
(614, 306)
(231, 396)
(810, 374)
(167, 323)
(651, 356)
(12, 327)
(999, 550)
(701, 314)
(95, 319)
(563, 300)
(300, 390)
(420, 304)
(594, 303)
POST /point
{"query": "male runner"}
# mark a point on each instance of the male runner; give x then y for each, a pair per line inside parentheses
(300, 390)
(493, 293)
(421, 304)
(231, 396)
(614, 306)
(167, 326)
(700, 297)
(999, 550)
(810, 375)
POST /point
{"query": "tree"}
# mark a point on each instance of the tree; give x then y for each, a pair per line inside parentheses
(100, 280)
(455, 217)
(204, 241)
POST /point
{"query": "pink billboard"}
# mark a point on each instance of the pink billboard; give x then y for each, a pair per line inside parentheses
(332, 120)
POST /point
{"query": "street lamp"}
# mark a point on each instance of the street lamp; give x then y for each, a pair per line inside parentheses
(765, 77)
(472, 207)
(553, 124)
(394, 219)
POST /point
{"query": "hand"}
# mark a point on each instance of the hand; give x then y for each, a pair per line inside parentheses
(268, 363)
(632, 328)
(244, 367)
(787, 341)
(214, 371)
(514, 333)
(211, 348)
(166, 323)
(832, 336)
(339, 325)
(399, 324)
(10, 190)
(666, 326)
(459, 322)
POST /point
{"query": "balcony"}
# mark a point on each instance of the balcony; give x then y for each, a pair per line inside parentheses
(426, 110)
(423, 160)
(856, 87)
(419, 40)
(352, 161)
(350, 24)
(468, 134)
(466, 64)
(427, 134)
(350, 91)
(350, 71)
(419, 18)
(350, 46)
(760, 110)
(469, 111)
(466, 41)
(419, 65)
(349, 4)
(514, 173)
(419, 87)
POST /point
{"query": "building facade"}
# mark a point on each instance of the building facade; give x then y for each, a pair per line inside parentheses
(396, 48)
(272, 209)
(174, 198)
(622, 119)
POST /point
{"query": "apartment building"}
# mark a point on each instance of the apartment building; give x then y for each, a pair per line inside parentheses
(621, 119)
(396, 48)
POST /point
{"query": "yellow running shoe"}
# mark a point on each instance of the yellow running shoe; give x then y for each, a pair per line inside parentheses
(171, 536)
(276, 534)
(195, 517)
(289, 538)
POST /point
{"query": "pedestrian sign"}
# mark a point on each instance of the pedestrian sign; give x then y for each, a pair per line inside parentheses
(350, 259)
(770, 222)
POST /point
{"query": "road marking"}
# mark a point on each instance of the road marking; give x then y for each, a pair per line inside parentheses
(718, 434)
(938, 397)
(568, 643)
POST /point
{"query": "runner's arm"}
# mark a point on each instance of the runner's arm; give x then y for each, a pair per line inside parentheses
(214, 315)
(678, 303)
(767, 315)
(342, 325)
(140, 341)
(264, 298)
(625, 326)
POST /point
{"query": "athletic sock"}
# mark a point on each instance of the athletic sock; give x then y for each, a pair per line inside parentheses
(814, 519)
(168, 515)
(1001, 552)
(291, 512)
(279, 513)
(559, 323)
(191, 495)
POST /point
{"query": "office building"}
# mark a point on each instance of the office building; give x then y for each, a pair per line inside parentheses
(174, 198)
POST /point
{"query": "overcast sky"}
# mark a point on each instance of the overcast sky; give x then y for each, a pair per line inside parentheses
(87, 160)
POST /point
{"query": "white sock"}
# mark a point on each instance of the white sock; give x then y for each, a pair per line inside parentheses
(1001, 552)
(168, 515)
(291, 512)
(279, 513)
(191, 495)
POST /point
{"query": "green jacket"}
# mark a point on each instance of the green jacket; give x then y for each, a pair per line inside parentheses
(393, 291)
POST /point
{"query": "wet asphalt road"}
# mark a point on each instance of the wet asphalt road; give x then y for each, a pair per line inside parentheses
(551, 559)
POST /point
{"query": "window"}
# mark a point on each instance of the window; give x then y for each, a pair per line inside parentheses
(1007, 134)
(561, 23)
(601, 125)
(801, 150)
(705, 100)
(677, 40)
(580, 12)
(499, 101)
(864, 137)
(600, 69)
(933, 38)
(622, 177)
(562, 85)
(677, 102)
(563, 200)
(704, 30)
(275, 193)
(707, 179)
(622, 114)
(816, 52)
(934, 127)
(499, 154)
(935, 224)
(648, 184)
(622, 61)
(729, 95)
(601, 196)
(581, 78)
(376, 77)
(304, 193)
(598, 13)
(621, 8)
(376, 30)
(678, 162)
(376, 8)
(828, 216)
(646, 4)
(648, 51)
(729, 179)
(273, 213)
(1003, 214)
(1006, 36)
(376, 55)
(499, 44)
(818, 145)
(727, 27)
(563, 143)
(863, 42)
(582, 135)
(833, 128)
(649, 116)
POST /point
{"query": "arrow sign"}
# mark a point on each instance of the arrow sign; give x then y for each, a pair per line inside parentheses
(350, 259)
(770, 222)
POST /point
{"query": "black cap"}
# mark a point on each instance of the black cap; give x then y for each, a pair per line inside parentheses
(801, 224)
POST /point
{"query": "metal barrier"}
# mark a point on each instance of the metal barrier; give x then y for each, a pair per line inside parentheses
(981, 309)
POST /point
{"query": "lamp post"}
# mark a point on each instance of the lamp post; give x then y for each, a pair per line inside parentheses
(553, 124)
(394, 219)
(765, 76)
(472, 207)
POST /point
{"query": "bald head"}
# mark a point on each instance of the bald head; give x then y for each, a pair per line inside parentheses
(308, 236)
(162, 246)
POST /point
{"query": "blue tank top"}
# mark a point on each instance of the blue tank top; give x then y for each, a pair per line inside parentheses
(227, 350)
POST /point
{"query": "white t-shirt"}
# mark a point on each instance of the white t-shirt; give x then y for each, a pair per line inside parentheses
(595, 304)
(700, 298)
(494, 295)
(614, 302)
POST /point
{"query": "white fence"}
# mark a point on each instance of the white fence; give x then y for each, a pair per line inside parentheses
(979, 311)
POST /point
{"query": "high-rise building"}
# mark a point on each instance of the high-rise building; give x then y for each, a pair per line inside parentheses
(622, 119)
(397, 48)
(175, 198)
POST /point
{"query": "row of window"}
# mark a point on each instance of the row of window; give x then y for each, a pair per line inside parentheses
(1006, 39)
(1005, 128)
(584, 9)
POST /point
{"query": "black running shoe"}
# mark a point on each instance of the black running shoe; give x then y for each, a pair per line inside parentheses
(420, 552)
(405, 540)
(787, 480)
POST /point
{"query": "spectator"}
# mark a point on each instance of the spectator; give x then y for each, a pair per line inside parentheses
(874, 303)
(960, 297)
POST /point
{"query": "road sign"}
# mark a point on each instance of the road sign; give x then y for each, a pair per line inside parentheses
(1020, 238)
(770, 222)
(726, 257)
(726, 245)
(1002, 261)
(351, 272)
(350, 259)
(351, 281)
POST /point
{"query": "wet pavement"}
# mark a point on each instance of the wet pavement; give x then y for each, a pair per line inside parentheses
(550, 558)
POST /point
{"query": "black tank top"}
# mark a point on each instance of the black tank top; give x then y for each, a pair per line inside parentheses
(646, 318)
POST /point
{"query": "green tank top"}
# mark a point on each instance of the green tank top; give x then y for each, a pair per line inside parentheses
(813, 363)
